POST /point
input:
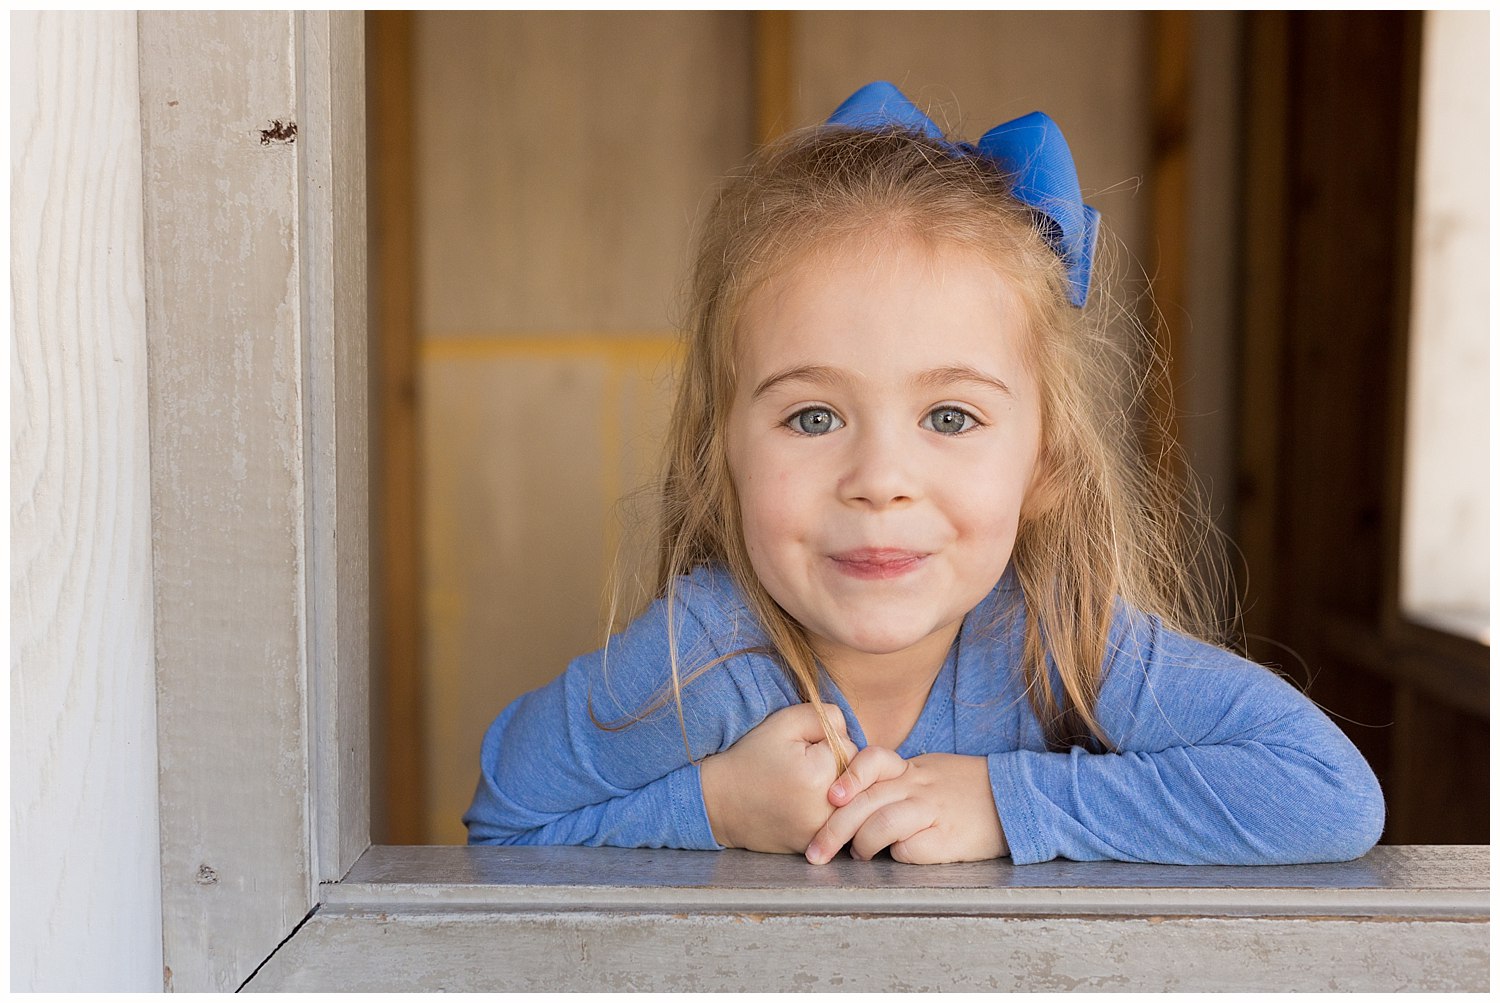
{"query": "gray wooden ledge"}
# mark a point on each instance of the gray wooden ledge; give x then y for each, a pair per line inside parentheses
(530, 918)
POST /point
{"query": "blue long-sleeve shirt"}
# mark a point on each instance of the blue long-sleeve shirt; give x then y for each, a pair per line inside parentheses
(1217, 759)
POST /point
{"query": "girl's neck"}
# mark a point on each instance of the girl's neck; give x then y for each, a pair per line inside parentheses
(887, 692)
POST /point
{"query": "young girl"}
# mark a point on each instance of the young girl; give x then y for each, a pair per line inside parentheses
(918, 589)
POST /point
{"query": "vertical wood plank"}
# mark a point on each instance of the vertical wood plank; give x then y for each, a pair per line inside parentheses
(228, 491)
(1348, 80)
(1264, 315)
(1171, 142)
(1207, 394)
(400, 801)
(85, 871)
(254, 281)
(1440, 760)
(773, 73)
(331, 129)
(560, 158)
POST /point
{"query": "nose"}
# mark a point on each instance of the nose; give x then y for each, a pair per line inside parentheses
(880, 469)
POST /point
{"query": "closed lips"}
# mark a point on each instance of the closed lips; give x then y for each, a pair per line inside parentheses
(874, 562)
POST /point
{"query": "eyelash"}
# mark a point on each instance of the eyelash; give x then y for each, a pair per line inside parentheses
(792, 421)
(974, 422)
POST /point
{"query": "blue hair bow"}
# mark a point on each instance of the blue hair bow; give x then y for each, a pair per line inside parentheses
(1030, 148)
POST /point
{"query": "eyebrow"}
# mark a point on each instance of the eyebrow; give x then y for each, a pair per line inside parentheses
(948, 375)
(823, 376)
(826, 376)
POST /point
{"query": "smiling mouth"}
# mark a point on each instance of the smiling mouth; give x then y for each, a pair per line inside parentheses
(877, 562)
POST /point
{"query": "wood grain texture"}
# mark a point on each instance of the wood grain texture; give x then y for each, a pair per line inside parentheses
(506, 918)
(774, 38)
(561, 158)
(398, 755)
(254, 287)
(536, 457)
(1263, 313)
(1430, 881)
(590, 952)
(1172, 143)
(331, 212)
(85, 907)
(228, 488)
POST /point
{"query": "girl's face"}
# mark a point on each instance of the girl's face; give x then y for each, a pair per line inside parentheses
(883, 437)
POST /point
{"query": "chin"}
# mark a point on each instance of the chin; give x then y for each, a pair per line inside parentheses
(883, 642)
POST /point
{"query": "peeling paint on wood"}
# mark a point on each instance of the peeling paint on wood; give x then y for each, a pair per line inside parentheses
(498, 918)
(519, 952)
(278, 132)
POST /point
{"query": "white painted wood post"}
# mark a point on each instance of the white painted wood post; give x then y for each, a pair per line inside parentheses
(253, 139)
(85, 872)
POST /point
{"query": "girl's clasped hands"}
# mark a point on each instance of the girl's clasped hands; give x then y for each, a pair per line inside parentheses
(779, 790)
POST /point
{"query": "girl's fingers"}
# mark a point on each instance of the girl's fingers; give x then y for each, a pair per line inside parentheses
(846, 821)
(925, 846)
(801, 722)
(869, 766)
(898, 821)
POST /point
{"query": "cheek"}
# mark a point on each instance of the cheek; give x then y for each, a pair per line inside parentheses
(769, 510)
(767, 485)
(991, 511)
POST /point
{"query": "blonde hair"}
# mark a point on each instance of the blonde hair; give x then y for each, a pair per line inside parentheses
(1102, 522)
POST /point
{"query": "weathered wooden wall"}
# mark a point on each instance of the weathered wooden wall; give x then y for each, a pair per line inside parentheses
(85, 877)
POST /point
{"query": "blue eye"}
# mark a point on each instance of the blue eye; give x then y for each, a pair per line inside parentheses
(815, 421)
(950, 421)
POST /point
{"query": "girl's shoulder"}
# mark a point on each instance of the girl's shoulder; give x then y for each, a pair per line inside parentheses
(699, 636)
(710, 583)
(1144, 642)
(1170, 686)
(710, 595)
(707, 612)
(703, 626)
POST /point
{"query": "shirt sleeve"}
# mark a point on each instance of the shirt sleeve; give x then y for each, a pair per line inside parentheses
(1217, 760)
(600, 757)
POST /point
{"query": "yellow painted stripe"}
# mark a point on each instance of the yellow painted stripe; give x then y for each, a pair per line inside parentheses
(565, 344)
(628, 357)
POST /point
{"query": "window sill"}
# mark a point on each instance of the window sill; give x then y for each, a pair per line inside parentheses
(460, 918)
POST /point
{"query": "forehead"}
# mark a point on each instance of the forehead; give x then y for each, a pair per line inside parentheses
(883, 308)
